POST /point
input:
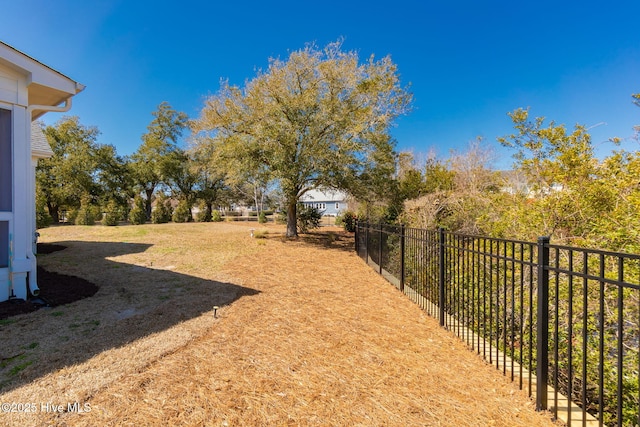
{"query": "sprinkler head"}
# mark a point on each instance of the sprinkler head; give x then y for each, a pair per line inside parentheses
(215, 311)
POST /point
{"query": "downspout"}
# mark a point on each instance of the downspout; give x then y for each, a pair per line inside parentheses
(33, 279)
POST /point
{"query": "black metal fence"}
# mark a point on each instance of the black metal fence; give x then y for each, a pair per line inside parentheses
(563, 322)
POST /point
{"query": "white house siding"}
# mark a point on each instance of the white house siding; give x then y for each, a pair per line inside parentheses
(7, 196)
(28, 89)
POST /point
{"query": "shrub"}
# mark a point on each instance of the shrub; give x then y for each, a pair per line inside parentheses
(85, 217)
(112, 214)
(348, 220)
(162, 213)
(204, 214)
(308, 218)
(87, 213)
(262, 218)
(138, 215)
(260, 234)
(215, 216)
(110, 218)
(72, 214)
(182, 213)
(43, 219)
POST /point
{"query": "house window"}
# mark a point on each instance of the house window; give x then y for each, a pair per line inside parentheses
(6, 171)
(337, 205)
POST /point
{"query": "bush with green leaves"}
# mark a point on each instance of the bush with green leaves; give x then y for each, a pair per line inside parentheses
(112, 214)
(262, 218)
(308, 218)
(162, 213)
(138, 214)
(71, 216)
(87, 213)
(216, 216)
(347, 220)
(182, 212)
(85, 217)
(204, 214)
(43, 219)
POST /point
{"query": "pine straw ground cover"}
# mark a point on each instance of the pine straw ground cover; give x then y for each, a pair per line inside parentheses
(305, 334)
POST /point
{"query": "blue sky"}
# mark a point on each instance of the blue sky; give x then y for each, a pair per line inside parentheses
(468, 62)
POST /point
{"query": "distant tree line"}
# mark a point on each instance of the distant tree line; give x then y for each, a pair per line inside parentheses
(90, 182)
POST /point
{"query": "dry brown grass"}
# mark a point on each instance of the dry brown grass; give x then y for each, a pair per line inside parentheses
(307, 334)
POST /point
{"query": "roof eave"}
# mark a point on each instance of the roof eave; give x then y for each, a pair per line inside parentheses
(46, 86)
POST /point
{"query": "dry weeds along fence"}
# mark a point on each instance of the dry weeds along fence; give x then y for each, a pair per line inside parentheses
(306, 334)
(566, 314)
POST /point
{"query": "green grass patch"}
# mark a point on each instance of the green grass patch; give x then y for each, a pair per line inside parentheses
(6, 362)
(16, 369)
(9, 360)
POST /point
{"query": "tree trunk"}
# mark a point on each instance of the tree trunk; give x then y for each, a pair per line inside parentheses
(209, 208)
(147, 202)
(261, 200)
(292, 219)
(255, 199)
(54, 212)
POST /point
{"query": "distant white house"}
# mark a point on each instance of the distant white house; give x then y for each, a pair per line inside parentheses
(329, 202)
(28, 89)
(516, 182)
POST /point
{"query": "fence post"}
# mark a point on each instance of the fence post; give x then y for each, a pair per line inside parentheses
(402, 258)
(366, 242)
(441, 275)
(356, 237)
(542, 329)
(380, 248)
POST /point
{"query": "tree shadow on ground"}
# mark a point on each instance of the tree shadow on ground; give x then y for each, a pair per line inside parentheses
(324, 239)
(133, 301)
